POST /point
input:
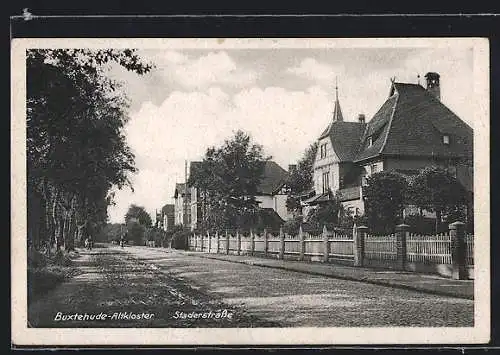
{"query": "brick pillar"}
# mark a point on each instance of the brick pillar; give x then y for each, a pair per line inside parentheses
(358, 236)
(457, 236)
(326, 249)
(401, 234)
(302, 244)
(238, 242)
(265, 242)
(282, 245)
(227, 243)
(217, 241)
(252, 242)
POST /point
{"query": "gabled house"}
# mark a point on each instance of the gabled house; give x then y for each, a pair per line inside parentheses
(271, 195)
(167, 217)
(272, 191)
(412, 129)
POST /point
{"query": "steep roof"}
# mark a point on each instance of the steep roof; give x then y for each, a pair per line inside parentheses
(179, 189)
(412, 122)
(167, 209)
(336, 116)
(345, 138)
(269, 218)
(273, 177)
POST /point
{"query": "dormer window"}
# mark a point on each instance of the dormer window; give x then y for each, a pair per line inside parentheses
(370, 142)
(446, 139)
(323, 151)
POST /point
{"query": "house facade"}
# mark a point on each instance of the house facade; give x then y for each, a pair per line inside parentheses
(271, 195)
(182, 201)
(166, 218)
(272, 191)
(412, 130)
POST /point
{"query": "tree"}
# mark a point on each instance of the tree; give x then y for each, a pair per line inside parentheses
(228, 178)
(301, 179)
(76, 149)
(384, 198)
(138, 214)
(326, 213)
(434, 189)
(136, 232)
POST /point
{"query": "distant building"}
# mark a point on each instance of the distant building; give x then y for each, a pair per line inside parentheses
(182, 212)
(272, 191)
(166, 217)
(413, 129)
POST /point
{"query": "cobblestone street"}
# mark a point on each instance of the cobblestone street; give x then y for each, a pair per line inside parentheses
(138, 280)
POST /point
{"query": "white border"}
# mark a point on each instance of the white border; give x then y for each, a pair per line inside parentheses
(480, 333)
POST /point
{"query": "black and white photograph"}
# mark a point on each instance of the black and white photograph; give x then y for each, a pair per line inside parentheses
(260, 191)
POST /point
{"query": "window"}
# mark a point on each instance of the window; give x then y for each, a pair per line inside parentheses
(446, 139)
(326, 182)
(374, 168)
(323, 151)
(370, 141)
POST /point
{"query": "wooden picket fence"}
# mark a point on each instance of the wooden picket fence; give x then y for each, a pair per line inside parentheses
(380, 247)
(334, 245)
(434, 249)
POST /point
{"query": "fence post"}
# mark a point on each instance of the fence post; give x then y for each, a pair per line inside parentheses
(227, 243)
(209, 242)
(195, 242)
(265, 242)
(282, 245)
(401, 234)
(326, 249)
(302, 244)
(457, 237)
(238, 242)
(359, 234)
(252, 242)
(217, 241)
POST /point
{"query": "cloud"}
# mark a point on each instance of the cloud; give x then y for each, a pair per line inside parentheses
(197, 72)
(188, 122)
(215, 96)
(311, 69)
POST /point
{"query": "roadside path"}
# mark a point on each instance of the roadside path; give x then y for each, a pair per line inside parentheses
(128, 292)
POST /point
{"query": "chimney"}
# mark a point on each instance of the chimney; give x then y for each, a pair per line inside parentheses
(361, 118)
(433, 84)
(292, 168)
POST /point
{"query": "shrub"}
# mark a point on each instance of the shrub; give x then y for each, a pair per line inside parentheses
(420, 224)
(384, 196)
(292, 225)
(180, 240)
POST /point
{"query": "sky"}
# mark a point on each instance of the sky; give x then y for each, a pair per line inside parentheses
(282, 97)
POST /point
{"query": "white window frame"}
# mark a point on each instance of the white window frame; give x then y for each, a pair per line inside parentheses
(446, 139)
(326, 181)
(370, 141)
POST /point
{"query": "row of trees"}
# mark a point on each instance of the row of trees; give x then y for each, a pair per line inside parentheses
(434, 189)
(387, 193)
(76, 149)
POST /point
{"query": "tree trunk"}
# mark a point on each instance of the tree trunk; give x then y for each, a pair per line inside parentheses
(438, 221)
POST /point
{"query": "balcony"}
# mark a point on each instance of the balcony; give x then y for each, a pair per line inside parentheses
(350, 193)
